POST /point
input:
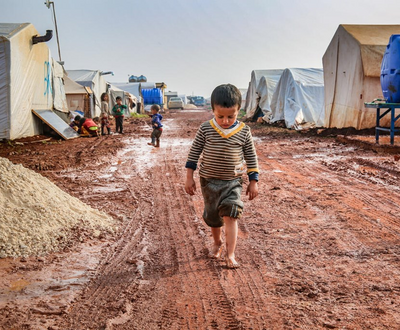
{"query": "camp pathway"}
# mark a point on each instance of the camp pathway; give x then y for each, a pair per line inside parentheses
(319, 247)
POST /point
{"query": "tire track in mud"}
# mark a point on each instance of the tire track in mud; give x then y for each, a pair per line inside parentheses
(233, 291)
(200, 299)
(120, 274)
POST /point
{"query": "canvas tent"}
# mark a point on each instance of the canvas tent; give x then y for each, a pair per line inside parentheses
(128, 99)
(136, 90)
(299, 98)
(95, 81)
(79, 98)
(352, 65)
(29, 80)
(256, 92)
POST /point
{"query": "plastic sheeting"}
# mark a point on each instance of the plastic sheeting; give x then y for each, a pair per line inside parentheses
(256, 91)
(26, 80)
(352, 64)
(59, 98)
(299, 98)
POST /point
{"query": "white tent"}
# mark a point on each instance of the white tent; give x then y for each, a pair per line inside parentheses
(352, 67)
(94, 80)
(243, 91)
(254, 93)
(135, 90)
(29, 80)
(299, 98)
(128, 99)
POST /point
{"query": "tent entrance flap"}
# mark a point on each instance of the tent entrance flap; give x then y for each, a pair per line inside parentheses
(56, 123)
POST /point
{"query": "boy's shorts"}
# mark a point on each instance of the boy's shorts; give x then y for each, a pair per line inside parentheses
(221, 198)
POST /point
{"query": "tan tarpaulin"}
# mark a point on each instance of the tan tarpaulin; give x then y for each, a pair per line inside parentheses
(352, 66)
(76, 95)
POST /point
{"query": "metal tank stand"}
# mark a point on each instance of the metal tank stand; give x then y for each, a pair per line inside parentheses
(390, 108)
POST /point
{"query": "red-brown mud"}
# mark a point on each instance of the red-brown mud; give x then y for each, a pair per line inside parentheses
(319, 247)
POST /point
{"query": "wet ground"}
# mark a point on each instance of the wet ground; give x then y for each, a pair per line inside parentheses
(319, 247)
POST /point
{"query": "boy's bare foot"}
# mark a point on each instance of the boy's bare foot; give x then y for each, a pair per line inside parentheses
(216, 251)
(231, 263)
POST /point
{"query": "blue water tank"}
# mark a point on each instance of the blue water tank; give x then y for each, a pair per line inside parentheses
(152, 96)
(390, 70)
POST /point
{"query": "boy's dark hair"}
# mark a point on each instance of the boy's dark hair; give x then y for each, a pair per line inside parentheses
(118, 98)
(77, 117)
(226, 96)
(103, 96)
(155, 107)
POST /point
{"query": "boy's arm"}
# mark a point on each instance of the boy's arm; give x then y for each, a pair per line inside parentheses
(250, 156)
(191, 164)
(190, 185)
(197, 147)
(252, 189)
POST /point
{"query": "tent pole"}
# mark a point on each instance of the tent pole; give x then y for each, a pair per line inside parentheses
(55, 23)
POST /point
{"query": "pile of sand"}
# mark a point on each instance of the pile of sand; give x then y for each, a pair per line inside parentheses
(37, 217)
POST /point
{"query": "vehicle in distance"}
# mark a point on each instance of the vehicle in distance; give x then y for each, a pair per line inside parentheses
(199, 101)
(175, 103)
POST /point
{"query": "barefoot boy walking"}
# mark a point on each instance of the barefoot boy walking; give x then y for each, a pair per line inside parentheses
(227, 147)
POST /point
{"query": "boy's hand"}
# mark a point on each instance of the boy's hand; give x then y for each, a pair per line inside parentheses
(155, 125)
(190, 186)
(252, 189)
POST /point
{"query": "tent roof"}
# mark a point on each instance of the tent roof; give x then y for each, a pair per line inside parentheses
(82, 75)
(372, 34)
(373, 40)
(9, 29)
(72, 87)
(307, 76)
(267, 73)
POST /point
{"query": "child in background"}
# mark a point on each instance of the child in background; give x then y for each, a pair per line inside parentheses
(118, 112)
(104, 104)
(87, 127)
(105, 123)
(157, 126)
(227, 146)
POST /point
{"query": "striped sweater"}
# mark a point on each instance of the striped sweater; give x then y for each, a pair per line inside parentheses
(223, 154)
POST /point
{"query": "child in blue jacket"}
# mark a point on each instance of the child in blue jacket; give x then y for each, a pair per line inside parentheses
(156, 124)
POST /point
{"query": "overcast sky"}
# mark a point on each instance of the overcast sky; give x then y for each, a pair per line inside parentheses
(195, 45)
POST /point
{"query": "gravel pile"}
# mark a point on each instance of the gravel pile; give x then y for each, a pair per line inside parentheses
(37, 217)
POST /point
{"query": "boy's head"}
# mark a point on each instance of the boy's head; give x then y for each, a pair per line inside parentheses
(119, 100)
(225, 102)
(226, 96)
(77, 119)
(104, 115)
(155, 108)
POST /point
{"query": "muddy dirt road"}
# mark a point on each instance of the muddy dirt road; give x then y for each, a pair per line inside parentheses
(319, 247)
